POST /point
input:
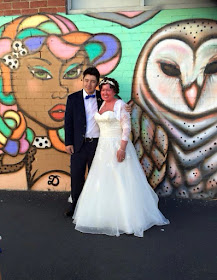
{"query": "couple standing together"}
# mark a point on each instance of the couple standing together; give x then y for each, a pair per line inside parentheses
(116, 197)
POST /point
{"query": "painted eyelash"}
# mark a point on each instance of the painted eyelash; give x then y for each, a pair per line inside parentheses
(72, 66)
(34, 69)
(40, 68)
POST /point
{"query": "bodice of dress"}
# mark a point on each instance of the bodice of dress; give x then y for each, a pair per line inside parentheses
(108, 124)
(114, 123)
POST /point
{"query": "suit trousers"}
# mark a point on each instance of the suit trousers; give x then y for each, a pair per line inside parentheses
(79, 161)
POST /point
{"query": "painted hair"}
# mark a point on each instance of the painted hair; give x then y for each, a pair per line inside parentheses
(27, 35)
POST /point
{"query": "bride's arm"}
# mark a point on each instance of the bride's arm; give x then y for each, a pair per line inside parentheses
(126, 129)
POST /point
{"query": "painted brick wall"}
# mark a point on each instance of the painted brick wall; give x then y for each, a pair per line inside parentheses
(23, 7)
(165, 63)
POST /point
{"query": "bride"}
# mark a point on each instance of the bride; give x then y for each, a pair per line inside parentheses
(116, 197)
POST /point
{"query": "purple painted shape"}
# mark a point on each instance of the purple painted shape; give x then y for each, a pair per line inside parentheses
(110, 44)
(34, 43)
(11, 147)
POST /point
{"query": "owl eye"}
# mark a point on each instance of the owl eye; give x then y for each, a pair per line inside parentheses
(211, 68)
(170, 69)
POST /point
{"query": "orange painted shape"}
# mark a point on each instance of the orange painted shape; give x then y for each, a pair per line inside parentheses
(59, 145)
(191, 95)
(6, 79)
(77, 38)
(21, 128)
(11, 30)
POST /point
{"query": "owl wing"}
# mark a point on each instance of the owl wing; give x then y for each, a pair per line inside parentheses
(151, 144)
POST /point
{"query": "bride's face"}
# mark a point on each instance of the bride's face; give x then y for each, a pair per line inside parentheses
(107, 93)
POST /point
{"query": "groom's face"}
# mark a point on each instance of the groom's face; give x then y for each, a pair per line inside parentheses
(89, 83)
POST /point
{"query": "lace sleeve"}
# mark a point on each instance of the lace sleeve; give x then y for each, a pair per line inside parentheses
(125, 122)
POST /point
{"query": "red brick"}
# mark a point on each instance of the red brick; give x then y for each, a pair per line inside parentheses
(61, 9)
(48, 10)
(1, 13)
(20, 5)
(11, 1)
(11, 12)
(56, 3)
(5, 6)
(29, 11)
(38, 4)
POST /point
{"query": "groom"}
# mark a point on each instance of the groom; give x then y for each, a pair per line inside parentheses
(82, 131)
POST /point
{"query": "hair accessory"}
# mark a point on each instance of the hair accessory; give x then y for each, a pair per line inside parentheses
(104, 82)
(41, 142)
(12, 59)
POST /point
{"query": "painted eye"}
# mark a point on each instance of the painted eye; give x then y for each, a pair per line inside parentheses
(39, 73)
(211, 68)
(170, 69)
(72, 72)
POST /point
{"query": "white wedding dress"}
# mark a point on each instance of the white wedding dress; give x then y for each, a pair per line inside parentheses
(116, 197)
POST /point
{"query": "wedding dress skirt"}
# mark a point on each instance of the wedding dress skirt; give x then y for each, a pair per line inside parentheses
(116, 197)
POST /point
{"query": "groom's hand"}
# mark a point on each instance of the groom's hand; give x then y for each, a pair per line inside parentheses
(70, 149)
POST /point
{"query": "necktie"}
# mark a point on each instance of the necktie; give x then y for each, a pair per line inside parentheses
(89, 96)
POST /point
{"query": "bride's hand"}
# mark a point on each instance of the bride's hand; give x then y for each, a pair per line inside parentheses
(120, 155)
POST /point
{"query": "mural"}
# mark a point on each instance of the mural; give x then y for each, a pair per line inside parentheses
(128, 19)
(166, 65)
(42, 59)
(175, 111)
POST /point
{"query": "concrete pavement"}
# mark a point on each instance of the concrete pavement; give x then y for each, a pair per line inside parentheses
(39, 243)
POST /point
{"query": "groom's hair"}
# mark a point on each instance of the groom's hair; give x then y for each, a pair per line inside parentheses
(92, 71)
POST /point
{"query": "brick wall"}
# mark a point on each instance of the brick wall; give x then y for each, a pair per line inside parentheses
(23, 7)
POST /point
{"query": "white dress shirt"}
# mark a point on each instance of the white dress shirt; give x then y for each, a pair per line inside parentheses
(92, 129)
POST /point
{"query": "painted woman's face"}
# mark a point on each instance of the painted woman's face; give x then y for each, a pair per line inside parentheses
(42, 83)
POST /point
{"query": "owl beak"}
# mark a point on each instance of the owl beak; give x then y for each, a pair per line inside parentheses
(191, 95)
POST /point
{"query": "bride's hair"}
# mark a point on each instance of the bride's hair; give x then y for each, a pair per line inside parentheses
(111, 82)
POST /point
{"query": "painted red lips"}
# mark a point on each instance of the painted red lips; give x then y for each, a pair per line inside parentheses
(57, 113)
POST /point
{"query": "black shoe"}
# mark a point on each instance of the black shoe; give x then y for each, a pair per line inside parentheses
(68, 213)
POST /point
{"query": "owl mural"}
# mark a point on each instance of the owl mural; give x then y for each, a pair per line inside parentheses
(174, 116)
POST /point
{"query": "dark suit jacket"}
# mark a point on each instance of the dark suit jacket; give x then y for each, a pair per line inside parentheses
(75, 119)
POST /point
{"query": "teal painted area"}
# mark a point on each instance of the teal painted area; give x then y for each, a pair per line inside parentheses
(6, 99)
(93, 50)
(29, 33)
(11, 123)
(7, 19)
(61, 133)
(74, 65)
(5, 130)
(29, 135)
